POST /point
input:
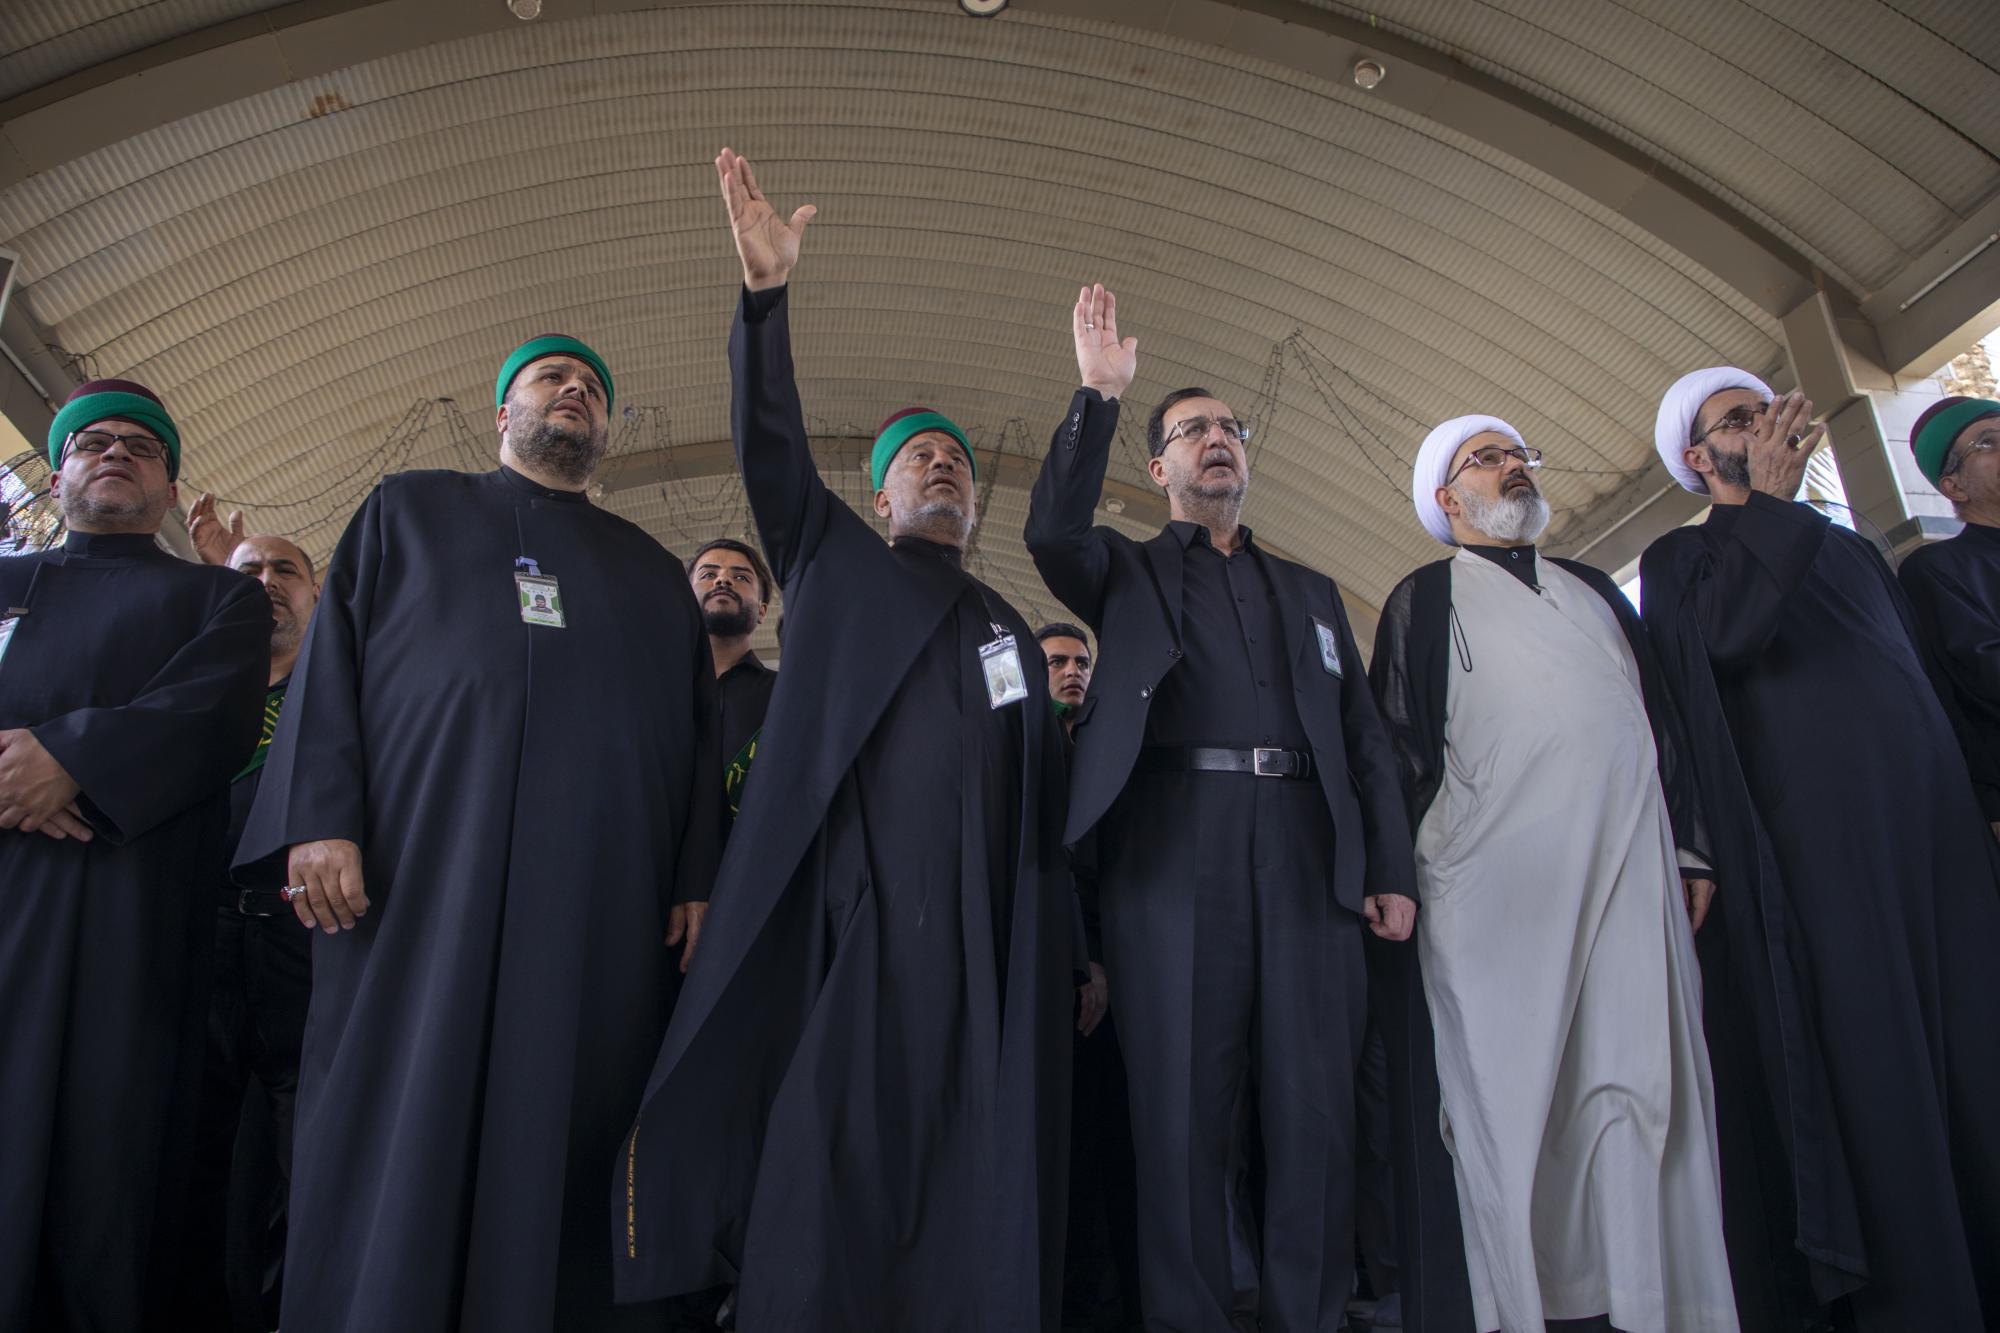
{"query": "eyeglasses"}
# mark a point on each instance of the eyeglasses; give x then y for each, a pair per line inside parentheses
(97, 441)
(1494, 455)
(1197, 428)
(1737, 419)
(1979, 444)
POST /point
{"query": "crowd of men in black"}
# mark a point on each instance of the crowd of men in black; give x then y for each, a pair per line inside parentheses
(949, 978)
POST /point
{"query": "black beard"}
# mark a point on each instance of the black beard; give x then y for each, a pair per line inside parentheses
(560, 451)
(1731, 469)
(728, 624)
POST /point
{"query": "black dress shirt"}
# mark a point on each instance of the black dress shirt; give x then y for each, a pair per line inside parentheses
(1234, 687)
(743, 695)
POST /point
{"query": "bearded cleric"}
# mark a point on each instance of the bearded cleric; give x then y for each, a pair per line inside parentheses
(1555, 1139)
(495, 774)
(130, 688)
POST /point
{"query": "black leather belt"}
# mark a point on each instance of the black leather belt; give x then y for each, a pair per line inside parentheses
(1262, 761)
(261, 902)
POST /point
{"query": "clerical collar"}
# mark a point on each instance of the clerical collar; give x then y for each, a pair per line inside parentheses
(535, 488)
(1516, 560)
(1981, 532)
(109, 545)
(909, 542)
(1190, 532)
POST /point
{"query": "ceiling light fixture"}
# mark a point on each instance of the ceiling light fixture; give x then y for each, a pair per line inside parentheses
(525, 9)
(982, 9)
(1368, 74)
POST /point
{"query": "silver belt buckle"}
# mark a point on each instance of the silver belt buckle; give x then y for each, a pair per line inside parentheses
(1257, 758)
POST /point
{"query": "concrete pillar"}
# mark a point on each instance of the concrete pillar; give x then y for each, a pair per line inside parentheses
(1868, 413)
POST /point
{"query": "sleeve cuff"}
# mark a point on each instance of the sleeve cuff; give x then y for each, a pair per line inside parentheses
(757, 306)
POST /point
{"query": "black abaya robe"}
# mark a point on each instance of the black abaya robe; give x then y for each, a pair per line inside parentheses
(1851, 998)
(1954, 592)
(529, 801)
(143, 675)
(860, 1111)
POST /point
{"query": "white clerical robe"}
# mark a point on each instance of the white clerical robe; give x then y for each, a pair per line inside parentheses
(1561, 976)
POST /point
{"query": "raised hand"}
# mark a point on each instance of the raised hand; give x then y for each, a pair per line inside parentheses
(212, 541)
(1780, 445)
(768, 246)
(1102, 362)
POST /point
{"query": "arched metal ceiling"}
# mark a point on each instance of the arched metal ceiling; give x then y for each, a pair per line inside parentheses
(299, 270)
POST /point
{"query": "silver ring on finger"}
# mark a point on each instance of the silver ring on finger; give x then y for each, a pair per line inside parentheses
(291, 891)
(1088, 325)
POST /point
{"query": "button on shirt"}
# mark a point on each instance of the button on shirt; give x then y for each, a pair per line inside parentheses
(1234, 687)
(744, 694)
(1516, 560)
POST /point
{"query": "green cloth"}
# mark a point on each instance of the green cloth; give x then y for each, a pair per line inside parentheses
(899, 431)
(274, 702)
(549, 344)
(82, 410)
(738, 773)
(1933, 443)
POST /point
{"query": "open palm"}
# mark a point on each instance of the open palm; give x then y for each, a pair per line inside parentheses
(768, 246)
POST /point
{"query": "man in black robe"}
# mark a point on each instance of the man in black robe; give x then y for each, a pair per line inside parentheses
(497, 814)
(241, 1159)
(1250, 821)
(733, 585)
(1101, 1259)
(860, 1111)
(1954, 585)
(129, 691)
(1850, 993)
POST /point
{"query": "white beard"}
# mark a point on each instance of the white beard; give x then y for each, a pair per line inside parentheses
(1509, 520)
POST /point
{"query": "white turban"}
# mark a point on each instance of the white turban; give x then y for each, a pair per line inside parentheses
(1434, 461)
(1677, 413)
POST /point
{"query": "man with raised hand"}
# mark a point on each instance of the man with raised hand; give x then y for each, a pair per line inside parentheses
(1249, 824)
(1851, 994)
(860, 1112)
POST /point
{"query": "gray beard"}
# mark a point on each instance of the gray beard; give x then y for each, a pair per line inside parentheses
(1731, 469)
(1509, 519)
(558, 451)
(940, 516)
(130, 513)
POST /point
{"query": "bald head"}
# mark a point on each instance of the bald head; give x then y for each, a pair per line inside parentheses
(286, 572)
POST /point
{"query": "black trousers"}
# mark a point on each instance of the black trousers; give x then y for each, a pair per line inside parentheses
(1241, 999)
(1101, 1259)
(241, 1167)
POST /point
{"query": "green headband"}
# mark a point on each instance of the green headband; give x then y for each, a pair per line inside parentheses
(899, 433)
(549, 344)
(80, 412)
(1933, 442)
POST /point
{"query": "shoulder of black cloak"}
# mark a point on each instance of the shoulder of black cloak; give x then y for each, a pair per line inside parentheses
(1670, 740)
(184, 735)
(313, 784)
(1409, 678)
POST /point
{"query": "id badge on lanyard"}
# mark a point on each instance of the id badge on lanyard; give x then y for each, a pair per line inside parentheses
(540, 596)
(10, 620)
(1006, 682)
